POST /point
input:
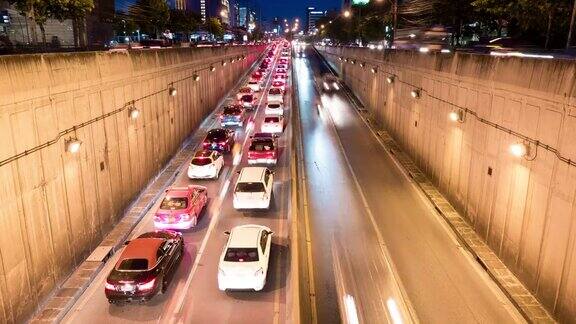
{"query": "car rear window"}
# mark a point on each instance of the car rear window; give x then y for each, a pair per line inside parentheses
(274, 105)
(274, 91)
(271, 119)
(247, 98)
(241, 255)
(262, 145)
(250, 187)
(133, 265)
(174, 203)
(201, 161)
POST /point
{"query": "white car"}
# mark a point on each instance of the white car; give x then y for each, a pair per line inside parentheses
(254, 85)
(272, 124)
(244, 261)
(275, 94)
(206, 164)
(253, 189)
(274, 108)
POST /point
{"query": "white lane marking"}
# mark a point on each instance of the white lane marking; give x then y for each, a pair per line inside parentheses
(393, 311)
(224, 189)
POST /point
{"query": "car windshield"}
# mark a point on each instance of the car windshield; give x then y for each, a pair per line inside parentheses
(174, 203)
(133, 265)
(253, 82)
(250, 187)
(232, 111)
(262, 145)
(201, 161)
(241, 255)
(274, 91)
(274, 105)
(271, 119)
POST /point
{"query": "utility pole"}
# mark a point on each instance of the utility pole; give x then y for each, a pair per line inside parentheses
(569, 41)
(395, 20)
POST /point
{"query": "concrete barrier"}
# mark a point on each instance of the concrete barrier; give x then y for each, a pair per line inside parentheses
(522, 207)
(56, 206)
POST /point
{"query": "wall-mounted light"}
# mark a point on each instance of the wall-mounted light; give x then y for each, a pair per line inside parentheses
(196, 77)
(133, 112)
(212, 68)
(374, 70)
(243, 57)
(390, 79)
(456, 116)
(73, 145)
(223, 63)
(345, 59)
(353, 61)
(362, 64)
(415, 93)
(172, 91)
(340, 58)
(232, 60)
(519, 149)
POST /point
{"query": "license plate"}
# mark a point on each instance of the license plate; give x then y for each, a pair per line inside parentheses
(127, 288)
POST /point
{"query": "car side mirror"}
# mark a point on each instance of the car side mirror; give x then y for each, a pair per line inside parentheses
(275, 136)
(238, 172)
(127, 242)
(270, 233)
(227, 232)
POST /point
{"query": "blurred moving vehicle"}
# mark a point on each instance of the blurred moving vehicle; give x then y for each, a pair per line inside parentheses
(329, 82)
(253, 189)
(244, 261)
(145, 267)
(244, 91)
(433, 39)
(233, 115)
(263, 149)
(254, 85)
(206, 164)
(272, 124)
(219, 139)
(181, 207)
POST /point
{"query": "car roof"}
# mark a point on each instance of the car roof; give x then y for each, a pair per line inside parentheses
(141, 248)
(251, 174)
(245, 236)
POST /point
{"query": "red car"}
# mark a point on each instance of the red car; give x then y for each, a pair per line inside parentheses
(219, 139)
(263, 149)
(145, 267)
(257, 75)
(181, 207)
(279, 84)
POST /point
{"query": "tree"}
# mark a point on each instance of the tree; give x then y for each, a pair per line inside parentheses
(183, 22)
(152, 16)
(123, 24)
(37, 11)
(215, 27)
(77, 10)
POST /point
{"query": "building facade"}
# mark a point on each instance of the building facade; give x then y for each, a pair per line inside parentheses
(312, 16)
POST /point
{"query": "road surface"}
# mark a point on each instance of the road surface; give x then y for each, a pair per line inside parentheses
(193, 295)
(357, 196)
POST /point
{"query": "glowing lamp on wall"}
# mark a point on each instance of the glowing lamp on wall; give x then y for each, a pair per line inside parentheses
(133, 112)
(519, 149)
(172, 91)
(212, 68)
(390, 79)
(196, 77)
(415, 93)
(73, 145)
(374, 70)
(456, 116)
(223, 63)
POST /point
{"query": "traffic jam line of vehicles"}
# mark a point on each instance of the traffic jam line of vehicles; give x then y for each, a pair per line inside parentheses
(148, 262)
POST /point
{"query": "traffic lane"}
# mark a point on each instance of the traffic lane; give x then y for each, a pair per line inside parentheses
(93, 303)
(327, 205)
(357, 264)
(204, 302)
(435, 271)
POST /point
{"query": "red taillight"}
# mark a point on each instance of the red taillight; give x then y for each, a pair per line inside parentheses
(109, 286)
(147, 285)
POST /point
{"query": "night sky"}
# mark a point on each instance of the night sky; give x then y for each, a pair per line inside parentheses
(294, 8)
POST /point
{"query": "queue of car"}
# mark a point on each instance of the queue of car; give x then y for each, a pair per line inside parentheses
(148, 263)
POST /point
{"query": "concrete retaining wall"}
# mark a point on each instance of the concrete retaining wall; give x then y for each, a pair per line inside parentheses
(523, 209)
(55, 206)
